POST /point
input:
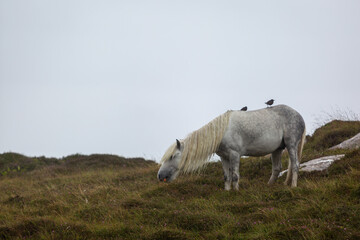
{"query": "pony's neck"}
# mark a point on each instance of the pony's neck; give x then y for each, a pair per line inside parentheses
(202, 143)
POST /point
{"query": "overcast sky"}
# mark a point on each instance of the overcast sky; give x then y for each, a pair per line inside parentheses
(128, 77)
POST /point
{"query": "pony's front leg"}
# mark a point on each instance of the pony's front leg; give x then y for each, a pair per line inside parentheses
(234, 169)
(227, 176)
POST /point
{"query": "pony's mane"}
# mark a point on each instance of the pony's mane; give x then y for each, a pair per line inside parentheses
(200, 145)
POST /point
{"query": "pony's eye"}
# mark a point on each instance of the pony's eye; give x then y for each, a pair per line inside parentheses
(171, 157)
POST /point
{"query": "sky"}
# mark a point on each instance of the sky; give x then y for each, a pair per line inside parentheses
(129, 77)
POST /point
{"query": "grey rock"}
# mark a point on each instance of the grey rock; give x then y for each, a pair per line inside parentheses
(318, 164)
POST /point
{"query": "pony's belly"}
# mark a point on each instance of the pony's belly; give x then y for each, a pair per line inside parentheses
(260, 148)
(257, 153)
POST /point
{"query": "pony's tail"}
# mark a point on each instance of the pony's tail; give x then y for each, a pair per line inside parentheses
(301, 145)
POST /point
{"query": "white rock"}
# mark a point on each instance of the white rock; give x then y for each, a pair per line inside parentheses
(318, 164)
(351, 143)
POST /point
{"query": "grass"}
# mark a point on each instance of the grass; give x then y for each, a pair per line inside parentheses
(109, 197)
(332, 134)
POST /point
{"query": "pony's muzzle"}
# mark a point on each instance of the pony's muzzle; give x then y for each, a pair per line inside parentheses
(163, 177)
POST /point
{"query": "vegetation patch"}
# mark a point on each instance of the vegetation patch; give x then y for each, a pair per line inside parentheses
(349, 162)
(110, 197)
(332, 134)
(168, 234)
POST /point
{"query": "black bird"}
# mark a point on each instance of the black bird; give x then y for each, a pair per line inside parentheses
(244, 108)
(270, 102)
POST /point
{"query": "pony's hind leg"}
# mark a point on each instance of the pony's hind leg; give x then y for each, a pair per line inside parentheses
(293, 171)
(227, 176)
(276, 165)
(234, 169)
(289, 174)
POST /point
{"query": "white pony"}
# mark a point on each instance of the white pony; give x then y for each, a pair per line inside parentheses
(235, 134)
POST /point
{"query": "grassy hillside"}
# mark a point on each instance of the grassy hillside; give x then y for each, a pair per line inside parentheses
(109, 197)
(13, 163)
(332, 134)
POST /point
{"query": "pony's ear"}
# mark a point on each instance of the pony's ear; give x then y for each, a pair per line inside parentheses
(178, 144)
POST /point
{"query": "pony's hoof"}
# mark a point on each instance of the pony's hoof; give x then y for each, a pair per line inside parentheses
(271, 182)
(227, 187)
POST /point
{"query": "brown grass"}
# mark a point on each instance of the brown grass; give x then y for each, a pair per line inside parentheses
(109, 197)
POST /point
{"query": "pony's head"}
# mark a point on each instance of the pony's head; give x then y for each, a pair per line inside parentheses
(170, 166)
(192, 153)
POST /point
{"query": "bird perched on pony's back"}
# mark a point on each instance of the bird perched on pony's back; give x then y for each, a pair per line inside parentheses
(244, 108)
(270, 102)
